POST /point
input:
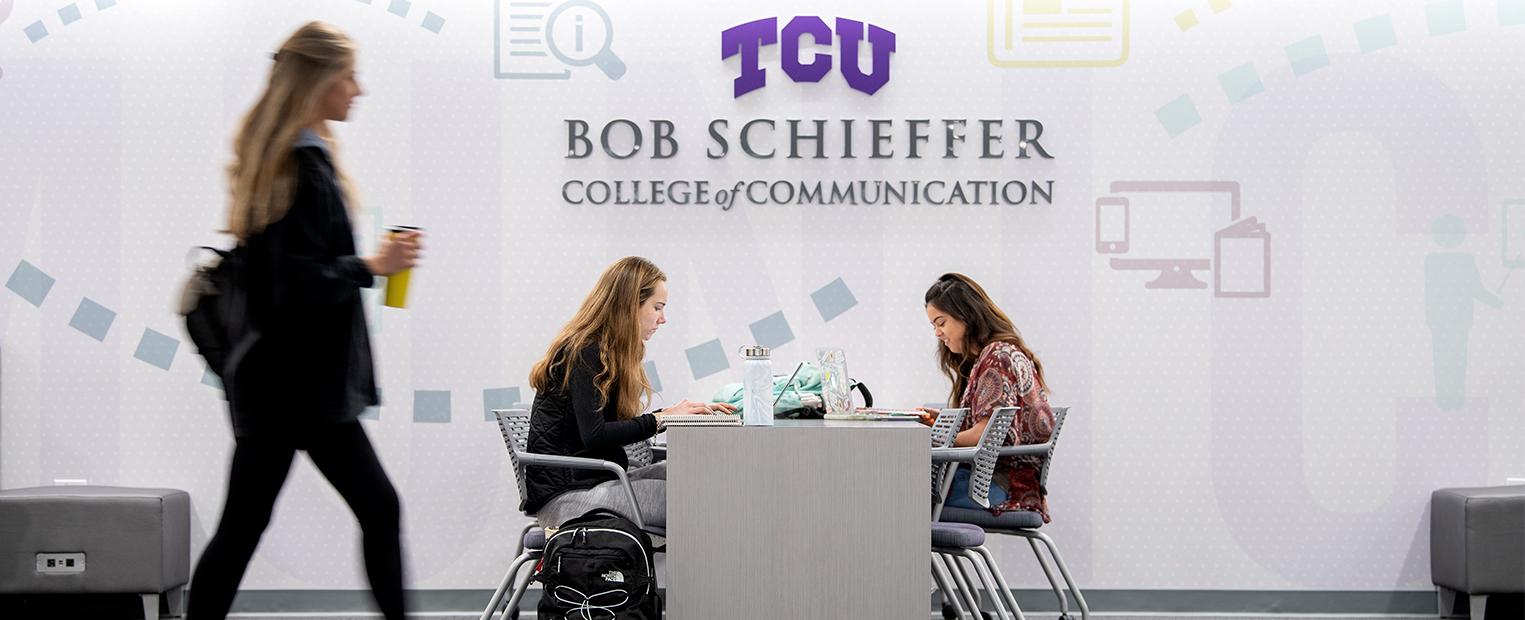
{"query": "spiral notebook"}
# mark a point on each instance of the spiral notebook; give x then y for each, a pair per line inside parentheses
(701, 419)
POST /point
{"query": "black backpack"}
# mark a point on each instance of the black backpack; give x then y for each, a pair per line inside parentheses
(598, 566)
(215, 305)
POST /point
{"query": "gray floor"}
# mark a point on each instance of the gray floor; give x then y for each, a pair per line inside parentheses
(1033, 616)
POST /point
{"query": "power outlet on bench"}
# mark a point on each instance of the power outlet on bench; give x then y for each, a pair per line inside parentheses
(60, 563)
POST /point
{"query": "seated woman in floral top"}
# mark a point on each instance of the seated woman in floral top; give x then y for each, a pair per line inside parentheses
(990, 367)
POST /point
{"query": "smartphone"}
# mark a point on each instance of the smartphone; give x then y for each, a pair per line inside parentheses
(1112, 225)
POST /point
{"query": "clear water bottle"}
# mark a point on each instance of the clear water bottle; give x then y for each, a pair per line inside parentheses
(756, 386)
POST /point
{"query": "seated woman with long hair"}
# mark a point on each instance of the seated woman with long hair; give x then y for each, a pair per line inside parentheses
(590, 393)
(990, 366)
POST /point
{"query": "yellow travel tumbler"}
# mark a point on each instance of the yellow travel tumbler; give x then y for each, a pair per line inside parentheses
(397, 283)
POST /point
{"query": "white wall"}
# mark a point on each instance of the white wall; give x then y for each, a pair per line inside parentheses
(1280, 442)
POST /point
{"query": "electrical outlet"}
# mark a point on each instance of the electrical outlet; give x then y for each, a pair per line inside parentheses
(60, 563)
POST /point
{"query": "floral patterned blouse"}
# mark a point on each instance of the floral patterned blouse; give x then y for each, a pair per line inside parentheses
(1004, 377)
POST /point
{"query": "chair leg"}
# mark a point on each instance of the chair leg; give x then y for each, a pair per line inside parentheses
(1445, 600)
(1000, 579)
(983, 569)
(150, 606)
(1069, 581)
(175, 600)
(947, 588)
(519, 591)
(971, 582)
(965, 589)
(1479, 606)
(508, 582)
(1064, 601)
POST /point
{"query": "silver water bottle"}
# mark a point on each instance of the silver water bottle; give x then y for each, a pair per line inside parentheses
(756, 386)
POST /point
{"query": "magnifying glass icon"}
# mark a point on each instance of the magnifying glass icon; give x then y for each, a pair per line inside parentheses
(579, 34)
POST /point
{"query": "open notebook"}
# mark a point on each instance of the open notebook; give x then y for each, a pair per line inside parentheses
(701, 419)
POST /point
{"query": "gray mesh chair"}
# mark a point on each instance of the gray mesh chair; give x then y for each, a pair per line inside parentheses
(957, 544)
(1021, 523)
(515, 426)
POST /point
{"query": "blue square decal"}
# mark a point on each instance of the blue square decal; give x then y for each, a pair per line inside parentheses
(35, 31)
(431, 406)
(1178, 116)
(30, 283)
(92, 319)
(772, 331)
(833, 299)
(433, 23)
(1240, 83)
(1307, 55)
(707, 359)
(101, 5)
(69, 14)
(209, 378)
(1511, 12)
(157, 349)
(1445, 17)
(652, 377)
(1376, 33)
(498, 398)
(399, 7)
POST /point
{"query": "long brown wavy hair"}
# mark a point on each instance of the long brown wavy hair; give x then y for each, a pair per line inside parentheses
(261, 178)
(984, 322)
(609, 317)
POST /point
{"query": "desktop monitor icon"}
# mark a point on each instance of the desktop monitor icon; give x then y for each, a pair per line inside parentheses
(1178, 228)
(546, 39)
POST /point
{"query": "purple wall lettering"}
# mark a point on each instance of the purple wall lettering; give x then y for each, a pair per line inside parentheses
(790, 55)
(749, 38)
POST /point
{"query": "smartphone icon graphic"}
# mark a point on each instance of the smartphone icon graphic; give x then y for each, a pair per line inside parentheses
(1111, 225)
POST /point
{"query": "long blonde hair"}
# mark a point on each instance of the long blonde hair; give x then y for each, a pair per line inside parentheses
(984, 322)
(610, 318)
(261, 178)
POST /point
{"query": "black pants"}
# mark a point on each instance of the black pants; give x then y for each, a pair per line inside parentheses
(344, 456)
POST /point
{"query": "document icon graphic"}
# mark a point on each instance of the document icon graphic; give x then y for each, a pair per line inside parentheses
(1242, 260)
(542, 39)
(1056, 33)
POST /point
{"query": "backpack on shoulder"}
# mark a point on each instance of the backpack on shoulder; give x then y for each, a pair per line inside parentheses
(215, 304)
(599, 566)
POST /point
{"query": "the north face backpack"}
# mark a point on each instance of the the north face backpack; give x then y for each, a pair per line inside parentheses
(215, 306)
(598, 567)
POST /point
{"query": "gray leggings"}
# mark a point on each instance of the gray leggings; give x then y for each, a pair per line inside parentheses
(649, 484)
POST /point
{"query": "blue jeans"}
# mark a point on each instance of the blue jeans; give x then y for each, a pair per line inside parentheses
(958, 496)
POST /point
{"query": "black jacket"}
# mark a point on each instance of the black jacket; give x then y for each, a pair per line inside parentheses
(312, 363)
(569, 422)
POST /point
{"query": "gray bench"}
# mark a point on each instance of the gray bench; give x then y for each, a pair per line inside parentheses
(93, 539)
(1477, 546)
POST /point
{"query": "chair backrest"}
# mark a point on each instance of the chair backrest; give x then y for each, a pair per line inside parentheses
(943, 430)
(1053, 440)
(515, 425)
(983, 470)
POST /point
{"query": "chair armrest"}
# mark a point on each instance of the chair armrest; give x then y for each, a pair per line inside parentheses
(577, 462)
(658, 452)
(954, 455)
(569, 462)
(1037, 449)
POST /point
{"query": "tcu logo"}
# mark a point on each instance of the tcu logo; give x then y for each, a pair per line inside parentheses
(749, 38)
